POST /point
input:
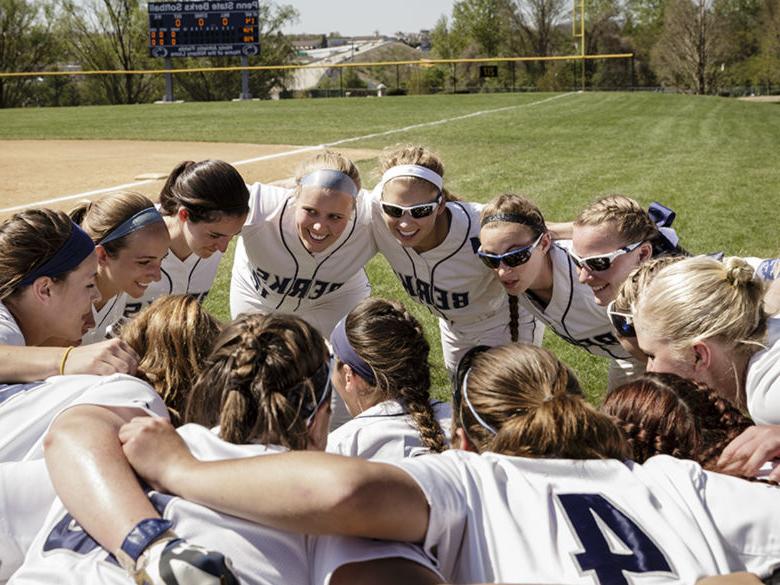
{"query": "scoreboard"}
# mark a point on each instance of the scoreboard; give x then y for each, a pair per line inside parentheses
(204, 29)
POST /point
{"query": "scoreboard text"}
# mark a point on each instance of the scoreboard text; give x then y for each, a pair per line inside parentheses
(204, 29)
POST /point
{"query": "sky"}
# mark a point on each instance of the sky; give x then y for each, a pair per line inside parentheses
(363, 17)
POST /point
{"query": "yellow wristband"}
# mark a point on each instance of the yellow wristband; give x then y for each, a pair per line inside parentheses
(64, 359)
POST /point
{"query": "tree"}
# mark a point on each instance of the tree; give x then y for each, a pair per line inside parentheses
(485, 24)
(111, 35)
(539, 23)
(689, 52)
(26, 44)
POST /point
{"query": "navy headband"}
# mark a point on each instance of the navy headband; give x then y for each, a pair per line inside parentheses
(347, 354)
(140, 220)
(507, 217)
(330, 179)
(73, 252)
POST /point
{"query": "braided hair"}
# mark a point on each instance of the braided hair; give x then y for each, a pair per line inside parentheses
(670, 415)
(267, 374)
(392, 342)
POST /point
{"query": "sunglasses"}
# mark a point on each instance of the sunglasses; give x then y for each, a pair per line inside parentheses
(512, 258)
(623, 323)
(603, 261)
(416, 211)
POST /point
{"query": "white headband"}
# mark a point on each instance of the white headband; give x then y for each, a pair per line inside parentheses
(417, 171)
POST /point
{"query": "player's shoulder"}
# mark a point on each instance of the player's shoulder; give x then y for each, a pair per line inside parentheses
(264, 200)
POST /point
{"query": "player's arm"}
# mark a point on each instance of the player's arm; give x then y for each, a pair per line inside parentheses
(302, 491)
(560, 230)
(731, 579)
(754, 447)
(28, 364)
(772, 298)
(91, 475)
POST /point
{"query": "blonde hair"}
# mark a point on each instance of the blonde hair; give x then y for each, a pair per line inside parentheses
(701, 298)
(638, 279)
(173, 336)
(258, 383)
(100, 217)
(535, 405)
(416, 155)
(630, 221)
(328, 160)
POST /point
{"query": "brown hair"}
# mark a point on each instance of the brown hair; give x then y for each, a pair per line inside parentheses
(416, 155)
(667, 414)
(393, 344)
(328, 160)
(535, 404)
(27, 240)
(206, 189)
(630, 221)
(173, 336)
(100, 217)
(257, 383)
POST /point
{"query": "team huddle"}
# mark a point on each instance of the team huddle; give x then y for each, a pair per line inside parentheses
(143, 441)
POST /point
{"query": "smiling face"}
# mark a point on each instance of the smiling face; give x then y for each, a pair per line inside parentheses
(595, 240)
(70, 314)
(137, 264)
(502, 237)
(418, 233)
(321, 216)
(204, 238)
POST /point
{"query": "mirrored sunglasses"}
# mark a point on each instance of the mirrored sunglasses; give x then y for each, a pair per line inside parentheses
(512, 258)
(416, 211)
(603, 261)
(623, 323)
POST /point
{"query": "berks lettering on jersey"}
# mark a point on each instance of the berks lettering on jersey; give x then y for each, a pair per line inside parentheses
(433, 296)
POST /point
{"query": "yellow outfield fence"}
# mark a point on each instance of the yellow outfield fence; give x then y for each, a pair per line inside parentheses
(420, 62)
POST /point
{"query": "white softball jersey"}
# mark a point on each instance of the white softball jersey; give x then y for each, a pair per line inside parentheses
(62, 552)
(495, 518)
(26, 413)
(273, 271)
(385, 432)
(452, 282)
(27, 410)
(108, 314)
(10, 332)
(574, 316)
(762, 383)
(766, 268)
(192, 276)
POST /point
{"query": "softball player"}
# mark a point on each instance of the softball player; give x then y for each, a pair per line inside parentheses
(130, 241)
(204, 204)
(430, 242)
(519, 248)
(382, 373)
(47, 269)
(550, 499)
(303, 250)
(704, 319)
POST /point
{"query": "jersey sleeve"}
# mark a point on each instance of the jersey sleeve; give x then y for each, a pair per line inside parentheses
(751, 529)
(441, 478)
(10, 334)
(762, 385)
(263, 199)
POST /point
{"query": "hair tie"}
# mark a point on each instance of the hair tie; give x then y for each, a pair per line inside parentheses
(330, 179)
(416, 171)
(138, 221)
(73, 252)
(663, 217)
(347, 354)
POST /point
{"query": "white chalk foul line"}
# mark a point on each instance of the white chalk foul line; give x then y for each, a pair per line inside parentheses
(303, 149)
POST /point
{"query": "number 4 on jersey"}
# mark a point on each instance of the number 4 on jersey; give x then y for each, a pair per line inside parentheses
(588, 514)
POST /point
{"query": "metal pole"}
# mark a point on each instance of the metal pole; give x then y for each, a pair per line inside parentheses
(398, 77)
(245, 94)
(341, 81)
(168, 81)
(582, 39)
(513, 77)
(454, 79)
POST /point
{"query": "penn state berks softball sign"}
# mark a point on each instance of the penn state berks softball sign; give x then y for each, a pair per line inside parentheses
(204, 29)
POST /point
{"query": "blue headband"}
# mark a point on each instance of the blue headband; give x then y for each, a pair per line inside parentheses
(346, 353)
(140, 220)
(330, 179)
(475, 414)
(72, 253)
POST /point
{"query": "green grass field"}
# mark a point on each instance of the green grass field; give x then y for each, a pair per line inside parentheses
(713, 160)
